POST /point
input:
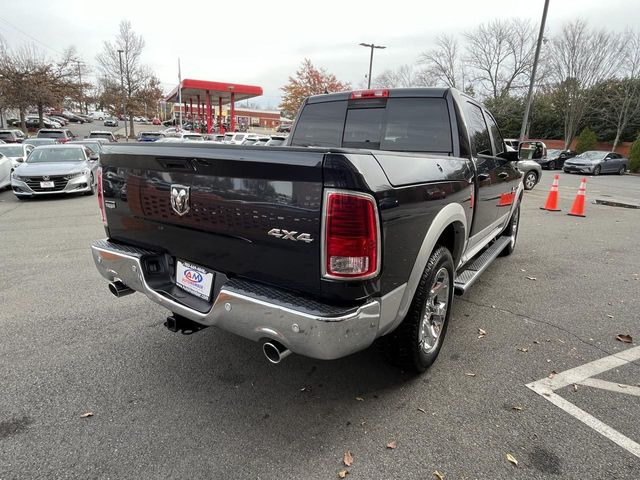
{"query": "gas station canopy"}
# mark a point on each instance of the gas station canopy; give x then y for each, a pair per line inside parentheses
(205, 93)
(217, 90)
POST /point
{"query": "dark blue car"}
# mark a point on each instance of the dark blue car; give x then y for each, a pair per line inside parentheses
(150, 136)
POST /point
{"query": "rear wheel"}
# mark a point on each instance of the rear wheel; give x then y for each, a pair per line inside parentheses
(512, 232)
(92, 185)
(415, 344)
(530, 180)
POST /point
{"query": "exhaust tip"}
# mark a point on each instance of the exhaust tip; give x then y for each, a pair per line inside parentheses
(275, 351)
(119, 289)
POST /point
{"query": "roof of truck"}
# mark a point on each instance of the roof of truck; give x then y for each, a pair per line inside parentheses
(390, 92)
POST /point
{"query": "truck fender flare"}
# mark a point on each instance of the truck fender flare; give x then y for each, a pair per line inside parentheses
(399, 301)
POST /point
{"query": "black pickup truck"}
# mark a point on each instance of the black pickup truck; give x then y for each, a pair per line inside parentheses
(383, 203)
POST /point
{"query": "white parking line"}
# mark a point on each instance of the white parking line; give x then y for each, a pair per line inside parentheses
(582, 376)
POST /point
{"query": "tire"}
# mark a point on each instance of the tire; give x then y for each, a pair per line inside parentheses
(530, 180)
(511, 231)
(552, 165)
(415, 344)
(596, 171)
(92, 190)
(622, 170)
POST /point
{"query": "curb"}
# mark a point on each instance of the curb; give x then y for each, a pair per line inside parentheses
(617, 203)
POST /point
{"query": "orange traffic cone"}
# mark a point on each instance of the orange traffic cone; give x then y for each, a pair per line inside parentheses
(577, 209)
(552, 198)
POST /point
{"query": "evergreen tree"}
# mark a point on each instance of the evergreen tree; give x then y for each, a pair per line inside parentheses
(587, 140)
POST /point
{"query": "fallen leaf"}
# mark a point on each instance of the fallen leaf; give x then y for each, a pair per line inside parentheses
(392, 445)
(523, 349)
(303, 389)
(575, 387)
(515, 407)
(512, 459)
(422, 410)
(87, 414)
(522, 270)
(347, 459)
(532, 278)
(552, 374)
(622, 386)
(343, 473)
(493, 306)
(470, 374)
(536, 342)
(610, 316)
(360, 399)
(624, 338)
(438, 475)
(481, 333)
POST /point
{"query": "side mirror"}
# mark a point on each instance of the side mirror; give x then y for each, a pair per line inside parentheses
(20, 159)
(510, 155)
(94, 158)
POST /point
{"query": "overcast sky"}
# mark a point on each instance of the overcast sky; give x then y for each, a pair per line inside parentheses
(262, 42)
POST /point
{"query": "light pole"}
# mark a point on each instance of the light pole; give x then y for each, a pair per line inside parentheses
(527, 108)
(124, 110)
(371, 46)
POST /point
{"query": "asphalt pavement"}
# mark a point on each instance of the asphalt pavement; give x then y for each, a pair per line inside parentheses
(210, 406)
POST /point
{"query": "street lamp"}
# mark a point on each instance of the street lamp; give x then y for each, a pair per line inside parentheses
(124, 110)
(371, 46)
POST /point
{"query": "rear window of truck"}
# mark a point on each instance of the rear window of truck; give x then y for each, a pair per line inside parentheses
(397, 124)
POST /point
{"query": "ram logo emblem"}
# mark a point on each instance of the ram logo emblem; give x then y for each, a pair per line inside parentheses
(290, 235)
(180, 199)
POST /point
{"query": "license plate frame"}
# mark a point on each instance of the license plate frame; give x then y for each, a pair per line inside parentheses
(49, 184)
(194, 279)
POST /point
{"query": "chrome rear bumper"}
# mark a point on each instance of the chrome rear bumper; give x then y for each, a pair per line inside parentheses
(312, 332)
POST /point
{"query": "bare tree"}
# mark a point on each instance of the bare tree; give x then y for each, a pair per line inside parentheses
(621, 98)
(133, 72)
(500, 55)
(580, 58)
(403, 76)
(443, 64)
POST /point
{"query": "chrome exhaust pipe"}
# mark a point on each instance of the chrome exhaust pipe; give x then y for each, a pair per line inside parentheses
(119, 289)
(275, 351)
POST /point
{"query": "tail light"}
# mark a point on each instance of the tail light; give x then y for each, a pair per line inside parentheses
(378, 93)
(351, 236)
(103, 214)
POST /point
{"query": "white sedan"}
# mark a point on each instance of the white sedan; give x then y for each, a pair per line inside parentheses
(5, 171)
(17, 152)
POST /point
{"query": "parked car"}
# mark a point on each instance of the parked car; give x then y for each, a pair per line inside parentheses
(61, 135)
(95, 145)
(276, 141)
(56, 169)
(284, 128)
(156, 121)
(86, 118)
(103, 134)
(12, 136)
(235, 138)
(33, 123)
(150, 136)
(72, 117)
(61, 120)
(6, 169)
(16, 152)
(555, 158)
(531, 173)
(596, 162)
(36, 142)
(214, 137)
(111, 122)
(319, 251)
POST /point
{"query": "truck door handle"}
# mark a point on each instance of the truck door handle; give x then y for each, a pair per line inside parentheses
(503, 175)
(483, 176)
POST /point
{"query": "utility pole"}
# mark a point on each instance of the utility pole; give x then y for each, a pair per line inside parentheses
(86, 110)
(124, 110)
(371, 46)
(527, 108)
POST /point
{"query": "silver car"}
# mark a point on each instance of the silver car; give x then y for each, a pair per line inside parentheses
(596, 162)
(56, 169)
(17, 152)
(532, 173)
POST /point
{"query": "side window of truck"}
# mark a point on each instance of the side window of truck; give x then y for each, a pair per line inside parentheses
(498, 142)
(480, 140)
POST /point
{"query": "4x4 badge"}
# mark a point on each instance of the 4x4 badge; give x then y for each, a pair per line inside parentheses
(180, 199)
(290, 235)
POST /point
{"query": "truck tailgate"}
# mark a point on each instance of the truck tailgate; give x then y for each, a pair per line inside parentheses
(236, 196)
